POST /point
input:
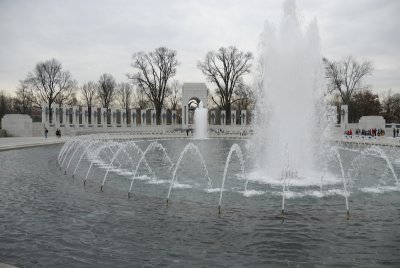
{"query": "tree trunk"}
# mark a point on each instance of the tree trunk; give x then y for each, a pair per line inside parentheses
(158, 113)
(228, 113)
(50, 112)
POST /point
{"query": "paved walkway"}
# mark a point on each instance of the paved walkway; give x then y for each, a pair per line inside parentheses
(12, 143)
(382, 141)
(26, 142)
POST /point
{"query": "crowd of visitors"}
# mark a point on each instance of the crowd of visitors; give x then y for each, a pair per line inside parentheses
(373, 132)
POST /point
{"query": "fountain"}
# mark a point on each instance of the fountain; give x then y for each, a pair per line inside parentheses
(200, 122)
(288, 157)
(281, 190)
(292, 95)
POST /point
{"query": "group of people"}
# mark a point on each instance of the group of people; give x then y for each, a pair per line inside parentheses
(373, 132)
(58, 133)
(46, 133)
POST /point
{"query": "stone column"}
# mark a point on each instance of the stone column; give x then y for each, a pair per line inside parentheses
(74, 116)
(94, 117)
(185, 117)
(113, 117)
(243, 117)
(103, 117)
(56, 115)
(223, 117)
(212, 117)
(66, 116)
(133, 117)
(233, 117)
(163, 117)
(153, 117)
(53, 114)
(85, 116)
(143, 117)
(124, 116)
(45, 108)
(173, 117)
(344, 116)
(93, 121)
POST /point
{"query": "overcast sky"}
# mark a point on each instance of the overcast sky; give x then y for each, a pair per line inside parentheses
(94, 37)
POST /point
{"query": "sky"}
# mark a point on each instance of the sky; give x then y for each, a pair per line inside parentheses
(95, 37)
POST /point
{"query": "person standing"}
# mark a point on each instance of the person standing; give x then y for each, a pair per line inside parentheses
(46, 131)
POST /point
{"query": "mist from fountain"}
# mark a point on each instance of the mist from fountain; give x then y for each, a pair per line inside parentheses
(200, 122)
(291, 111)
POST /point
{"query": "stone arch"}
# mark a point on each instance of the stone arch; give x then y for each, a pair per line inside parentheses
(191, 93)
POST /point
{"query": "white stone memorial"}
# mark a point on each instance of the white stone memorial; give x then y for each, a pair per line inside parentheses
(133, 117)
(370, 122)
(173, 117)
(163, 117)
(344, 116)
(223, 117)
(212, 117)
(243, 117)
(18, 125)
(143, 115)
(233, 117)
(103, 117)
(153, 117)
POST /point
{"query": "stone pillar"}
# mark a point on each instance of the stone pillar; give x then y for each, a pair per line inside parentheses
(153, 117)
(53, 114)
(66, 114)
(56, 115)
(124, 116)
(133, 117)
(80, 115)
(173, 117)
(143, 117)
(163, 117)
(85, 116)
(103, 117)
(223, 117)
(344, 116)
(74, 116)
(233, 117)
(243, 117)
(185, 117)
(45, 113)
(113, 117)
(93, 119)
(212, 117)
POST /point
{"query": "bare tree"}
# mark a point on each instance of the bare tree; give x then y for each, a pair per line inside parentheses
(49, 83)
(124, 95)
(154, 71)
(225, 68)
(175, 95)
(244, 97)
(106, 90)
(24, 99)
(88, 92)
(140, 99)
(346, 76)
